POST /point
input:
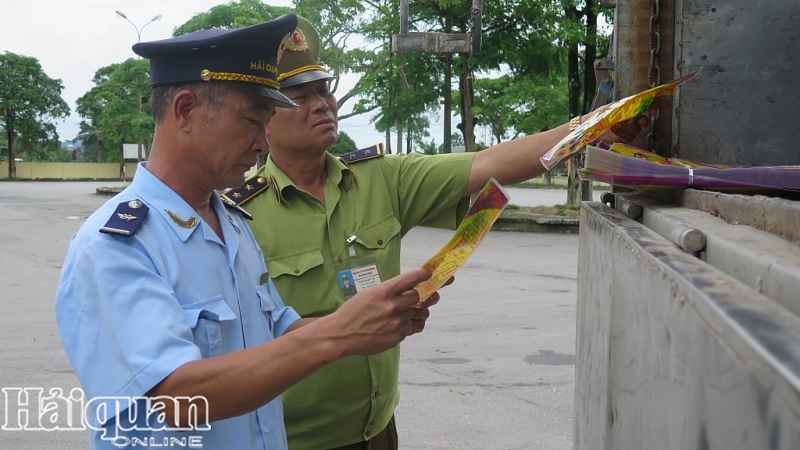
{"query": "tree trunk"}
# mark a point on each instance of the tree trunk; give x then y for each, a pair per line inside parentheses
(589, 80)
(388, 140)
(399, 138)
(12, 165)
(447, 144)
(467, 118)
(573, 75)
(548, 180)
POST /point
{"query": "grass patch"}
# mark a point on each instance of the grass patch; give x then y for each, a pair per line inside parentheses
(557, 210)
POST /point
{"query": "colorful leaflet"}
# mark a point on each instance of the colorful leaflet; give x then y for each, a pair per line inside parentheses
(599, 123)
(477, 223)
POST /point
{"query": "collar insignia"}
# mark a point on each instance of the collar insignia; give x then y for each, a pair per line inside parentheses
(182, 223)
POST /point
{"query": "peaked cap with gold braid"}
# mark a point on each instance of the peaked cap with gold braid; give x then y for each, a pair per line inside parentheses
(298, 56)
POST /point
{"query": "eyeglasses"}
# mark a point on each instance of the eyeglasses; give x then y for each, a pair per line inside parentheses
(300, 93)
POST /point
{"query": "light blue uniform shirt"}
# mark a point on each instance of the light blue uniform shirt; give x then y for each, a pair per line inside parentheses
(131, 310)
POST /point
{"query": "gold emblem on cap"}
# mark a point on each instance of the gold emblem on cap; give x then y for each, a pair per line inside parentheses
(205, 75)
(297, 41)
(135, 204)
(182, 223)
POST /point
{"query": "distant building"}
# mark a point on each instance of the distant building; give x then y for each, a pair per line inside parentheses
(76, 147)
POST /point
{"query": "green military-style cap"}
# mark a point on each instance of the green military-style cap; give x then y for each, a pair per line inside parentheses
(298, 56)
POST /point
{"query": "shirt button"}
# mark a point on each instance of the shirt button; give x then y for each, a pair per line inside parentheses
(265, 428)
(296, 270)
(340, 259)
(244, 322)
(371, 422)
(367, 433)
(376, 394)
(380, 241)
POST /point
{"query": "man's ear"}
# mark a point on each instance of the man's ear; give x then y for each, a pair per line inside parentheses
(184, 108)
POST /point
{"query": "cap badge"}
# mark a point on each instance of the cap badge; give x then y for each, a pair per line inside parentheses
(298, 42)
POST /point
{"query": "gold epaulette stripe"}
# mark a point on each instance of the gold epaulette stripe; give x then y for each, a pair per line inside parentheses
(207, 75)
(294, 72)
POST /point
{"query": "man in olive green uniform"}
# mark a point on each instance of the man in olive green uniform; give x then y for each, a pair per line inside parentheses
(318, 217)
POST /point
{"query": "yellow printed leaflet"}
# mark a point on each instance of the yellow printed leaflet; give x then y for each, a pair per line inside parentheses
(477, 223)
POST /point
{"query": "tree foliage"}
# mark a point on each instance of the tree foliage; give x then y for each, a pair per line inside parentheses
(344, 144)
(531, 44)
(231, 15)
(116, 110)
(29, 103)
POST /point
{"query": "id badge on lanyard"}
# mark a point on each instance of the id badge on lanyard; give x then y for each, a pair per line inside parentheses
(356, 273)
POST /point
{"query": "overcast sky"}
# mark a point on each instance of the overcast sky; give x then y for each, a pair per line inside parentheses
(73, 38)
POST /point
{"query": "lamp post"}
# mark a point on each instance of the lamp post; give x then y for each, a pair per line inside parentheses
(138, 30)
(138, 39)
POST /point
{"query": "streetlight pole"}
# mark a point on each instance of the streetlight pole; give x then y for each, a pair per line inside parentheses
(138, 39)
(138, 30)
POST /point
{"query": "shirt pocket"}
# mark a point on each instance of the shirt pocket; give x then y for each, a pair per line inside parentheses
(205, 318)
(377, 235)
(294, 264)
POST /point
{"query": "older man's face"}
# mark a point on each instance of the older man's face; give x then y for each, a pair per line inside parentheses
(228, 139)
(312, 127)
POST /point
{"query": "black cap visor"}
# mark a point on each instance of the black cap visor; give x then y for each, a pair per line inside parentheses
(306, 77)
(281, 101)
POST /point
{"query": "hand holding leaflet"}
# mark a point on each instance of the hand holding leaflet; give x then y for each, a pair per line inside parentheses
(479, 219)
(602, 121)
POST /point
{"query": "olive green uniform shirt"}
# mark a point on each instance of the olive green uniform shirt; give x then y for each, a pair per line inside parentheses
(378, 200)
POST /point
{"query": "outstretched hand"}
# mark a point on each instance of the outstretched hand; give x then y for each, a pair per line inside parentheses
(628, 130)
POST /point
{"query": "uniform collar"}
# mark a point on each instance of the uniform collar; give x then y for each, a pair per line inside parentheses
(338, 173)
(164, 200)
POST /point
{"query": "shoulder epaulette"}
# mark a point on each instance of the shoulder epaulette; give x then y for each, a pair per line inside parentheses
(374, 151)
(230, 204)
(126, 218)
(251, 187)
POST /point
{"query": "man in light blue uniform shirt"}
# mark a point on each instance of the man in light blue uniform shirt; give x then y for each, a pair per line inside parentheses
(164, 293)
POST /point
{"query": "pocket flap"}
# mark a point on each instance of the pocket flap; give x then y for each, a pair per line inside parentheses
(213, 308)
(295, 263)
(267, 304)
(378, 234)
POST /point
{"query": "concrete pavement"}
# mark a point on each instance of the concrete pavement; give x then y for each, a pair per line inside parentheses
(493, 370)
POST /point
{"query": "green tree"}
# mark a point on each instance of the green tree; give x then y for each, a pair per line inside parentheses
(29, 103)
(231, 15)
(344, 144)
(116, 110)
(428, 148)
(517, 106)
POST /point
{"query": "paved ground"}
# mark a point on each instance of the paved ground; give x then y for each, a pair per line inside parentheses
(546, 197)
(493, 370)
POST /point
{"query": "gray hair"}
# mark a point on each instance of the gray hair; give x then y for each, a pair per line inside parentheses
(211, 93)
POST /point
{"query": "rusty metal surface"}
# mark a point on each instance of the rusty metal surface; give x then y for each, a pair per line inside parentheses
(742, 108)
(778, 216)
(672, 353)
(632, 52)
(431, 42)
